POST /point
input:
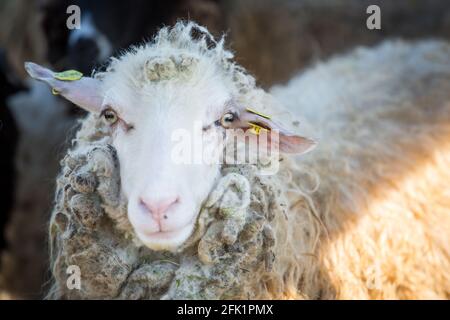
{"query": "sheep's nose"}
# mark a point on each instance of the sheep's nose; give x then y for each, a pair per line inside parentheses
(158, 208)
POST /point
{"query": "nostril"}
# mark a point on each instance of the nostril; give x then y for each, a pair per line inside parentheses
(158, 208)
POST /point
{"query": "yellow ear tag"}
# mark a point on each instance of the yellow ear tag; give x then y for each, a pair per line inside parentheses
(258, 113)
(256, 129)
(69, 75)
(55, 92)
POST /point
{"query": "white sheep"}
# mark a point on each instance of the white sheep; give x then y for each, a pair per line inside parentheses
(365, 215)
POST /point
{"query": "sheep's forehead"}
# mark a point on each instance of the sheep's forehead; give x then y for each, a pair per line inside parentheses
(204, 97)
(144, 66)
(166, 67)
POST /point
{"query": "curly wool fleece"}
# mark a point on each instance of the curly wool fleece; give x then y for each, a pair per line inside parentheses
(89, 229)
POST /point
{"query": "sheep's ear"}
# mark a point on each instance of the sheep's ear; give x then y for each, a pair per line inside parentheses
(83, 91)
(287, 142)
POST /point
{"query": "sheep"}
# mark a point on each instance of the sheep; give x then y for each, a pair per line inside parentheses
(362, 216)
(26, 31)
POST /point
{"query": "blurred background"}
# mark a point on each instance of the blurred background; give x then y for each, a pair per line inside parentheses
(273, 39)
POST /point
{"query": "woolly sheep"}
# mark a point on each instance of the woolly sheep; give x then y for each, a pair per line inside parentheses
(365, 215)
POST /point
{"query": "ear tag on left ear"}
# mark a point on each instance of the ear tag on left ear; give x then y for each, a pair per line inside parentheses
(69, 75)
(258, 113)
(256, 129)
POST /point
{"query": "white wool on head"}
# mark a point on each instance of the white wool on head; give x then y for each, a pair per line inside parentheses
(186, 51)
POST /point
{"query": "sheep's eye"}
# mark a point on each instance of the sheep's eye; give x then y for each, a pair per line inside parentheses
(110, 116)
(227, 119)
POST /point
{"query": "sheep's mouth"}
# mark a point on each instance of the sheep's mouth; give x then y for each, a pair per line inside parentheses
(167, 240)
(166, 234)
(163, 234)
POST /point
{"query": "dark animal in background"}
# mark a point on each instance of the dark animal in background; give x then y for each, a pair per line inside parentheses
(8, 143)
(105, 31)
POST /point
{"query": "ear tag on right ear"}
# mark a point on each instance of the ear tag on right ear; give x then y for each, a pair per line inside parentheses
(256, 129)
(69, 75)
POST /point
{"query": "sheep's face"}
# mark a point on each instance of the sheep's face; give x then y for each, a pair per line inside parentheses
(167, 132)
(155, 130)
